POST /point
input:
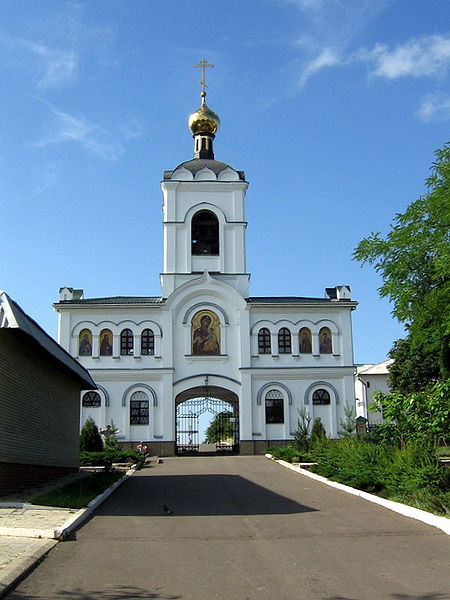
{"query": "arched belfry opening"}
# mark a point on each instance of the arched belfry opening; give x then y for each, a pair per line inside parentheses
(207, 421)
(205, 234)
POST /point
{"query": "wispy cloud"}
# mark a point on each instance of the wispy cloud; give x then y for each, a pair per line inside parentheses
(56, 67)
(67, 128)
(332, 28)
(435, 107)
(428, 56)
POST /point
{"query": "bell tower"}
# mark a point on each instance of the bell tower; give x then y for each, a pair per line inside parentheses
(204, 218)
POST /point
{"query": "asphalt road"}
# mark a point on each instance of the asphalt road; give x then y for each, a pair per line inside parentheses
(241, 528)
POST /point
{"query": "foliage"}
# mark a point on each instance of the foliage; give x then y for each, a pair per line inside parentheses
(90, 438)
(411, 474)
(108, 457)
(79, 493)
(422, 415)
(318, 431)
(301, 435)
(413, 368)
(414, 263)
(289, 453)
(348, 423)
(349, 461)
(220, 428)
(110, 437)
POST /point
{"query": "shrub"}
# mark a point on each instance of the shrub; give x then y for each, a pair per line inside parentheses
(318, 431)
(287, 453)
(106, 458)
(90, 438)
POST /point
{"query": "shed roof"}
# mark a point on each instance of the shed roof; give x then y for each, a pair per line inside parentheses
(13, 317)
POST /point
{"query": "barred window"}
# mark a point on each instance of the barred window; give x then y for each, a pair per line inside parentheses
(284, 341)
(274, 407)
(205, 233)
(126, 342)
(139, 409)
(147, 342)
(321, 397)
(264, 341)
(91, 399)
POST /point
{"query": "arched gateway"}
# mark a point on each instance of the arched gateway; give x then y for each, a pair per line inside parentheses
(223, 405)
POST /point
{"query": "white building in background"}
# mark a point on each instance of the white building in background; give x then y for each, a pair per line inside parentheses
(205, 344)
(368, 380)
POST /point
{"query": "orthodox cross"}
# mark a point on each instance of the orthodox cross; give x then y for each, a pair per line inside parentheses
(203, 64)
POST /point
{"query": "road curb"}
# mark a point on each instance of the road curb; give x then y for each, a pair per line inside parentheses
(61, 532)
(21, 566)
(442, 523)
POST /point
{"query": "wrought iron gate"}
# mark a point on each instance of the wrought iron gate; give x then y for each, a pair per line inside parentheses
(224, 432)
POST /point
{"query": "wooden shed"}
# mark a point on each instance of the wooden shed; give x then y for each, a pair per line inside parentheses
(40, 386)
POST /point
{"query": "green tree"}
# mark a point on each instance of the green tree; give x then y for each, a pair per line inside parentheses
(302, 433)
(220, 428)
(414, 263)
(90, 438)
(318, 431)
(413, 368)
(422, 415)
(348, 423)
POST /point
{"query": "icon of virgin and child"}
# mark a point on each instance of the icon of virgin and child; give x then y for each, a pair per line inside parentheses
(205, 334)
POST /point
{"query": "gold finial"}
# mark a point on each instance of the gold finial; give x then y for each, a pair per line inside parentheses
(203, 64)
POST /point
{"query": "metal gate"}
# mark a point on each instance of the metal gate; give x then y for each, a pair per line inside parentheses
(223, 431)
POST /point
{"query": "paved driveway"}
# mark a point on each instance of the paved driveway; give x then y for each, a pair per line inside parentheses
(242, 528)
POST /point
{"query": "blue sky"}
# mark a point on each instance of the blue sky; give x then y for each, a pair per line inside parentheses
(333, 108)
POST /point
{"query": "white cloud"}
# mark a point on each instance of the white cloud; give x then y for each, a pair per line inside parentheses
(435, 107)
(420, 57)
(68, 128)
(327, 58)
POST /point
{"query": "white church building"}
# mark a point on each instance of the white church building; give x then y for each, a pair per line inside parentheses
(205, 346)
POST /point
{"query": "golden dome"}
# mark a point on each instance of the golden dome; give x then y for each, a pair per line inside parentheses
(204, 120)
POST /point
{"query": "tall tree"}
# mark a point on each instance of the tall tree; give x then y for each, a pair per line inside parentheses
(414, 263)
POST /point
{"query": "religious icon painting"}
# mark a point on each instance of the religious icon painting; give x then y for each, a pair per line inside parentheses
(305, 342)
(205, 333)
(325, 343)
(85, 343)
(106, 342)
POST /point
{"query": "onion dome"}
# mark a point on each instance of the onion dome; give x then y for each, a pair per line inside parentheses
(204, 120)
(203, 123)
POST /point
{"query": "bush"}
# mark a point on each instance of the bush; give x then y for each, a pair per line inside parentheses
(90, 438)
(288, 453)
(106, 458)
(318, 431)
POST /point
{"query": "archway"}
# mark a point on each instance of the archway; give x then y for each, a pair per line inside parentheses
(223, 432)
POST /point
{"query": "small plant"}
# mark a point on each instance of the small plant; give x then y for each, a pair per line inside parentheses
(318, 431)
(348, 423)
(90, 438)
(301, 436)
(109, 435)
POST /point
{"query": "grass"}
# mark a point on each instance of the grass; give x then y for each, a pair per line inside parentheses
(79, 493)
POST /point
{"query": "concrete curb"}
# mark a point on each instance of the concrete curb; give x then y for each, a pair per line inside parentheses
(61, 532)
(20, 566)
(442, 523)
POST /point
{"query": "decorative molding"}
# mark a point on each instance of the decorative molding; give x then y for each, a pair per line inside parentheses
(272, 384)
(137, 386)
(317, 384)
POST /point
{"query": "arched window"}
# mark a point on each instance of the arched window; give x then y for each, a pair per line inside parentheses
(205, 233)
(85, 343)
(147, 342)
(321, 397)
(325, 343)
(126, 342)
(91, 399)
(284, 341)
(139, 409)
(106, 340)
(304, 340)
(274, 407)
(264, 341)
